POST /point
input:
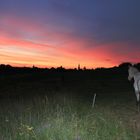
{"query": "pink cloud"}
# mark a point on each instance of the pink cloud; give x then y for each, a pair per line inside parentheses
(25, 42)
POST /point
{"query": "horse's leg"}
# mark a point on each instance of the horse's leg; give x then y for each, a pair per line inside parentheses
(137, 100)
(137, 96)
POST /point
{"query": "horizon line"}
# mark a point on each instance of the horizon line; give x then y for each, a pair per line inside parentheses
(81, 67)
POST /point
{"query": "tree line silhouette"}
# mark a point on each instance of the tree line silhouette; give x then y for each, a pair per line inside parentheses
(25, 80)
(10, 69)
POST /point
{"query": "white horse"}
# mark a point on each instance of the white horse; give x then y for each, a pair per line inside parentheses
(134, 73)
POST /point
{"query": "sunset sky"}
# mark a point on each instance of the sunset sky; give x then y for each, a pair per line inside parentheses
(51, 33)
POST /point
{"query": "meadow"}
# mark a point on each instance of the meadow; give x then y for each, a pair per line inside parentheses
(35, 107)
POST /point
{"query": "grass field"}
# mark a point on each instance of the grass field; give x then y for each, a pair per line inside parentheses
(35, 107)
(69, 117)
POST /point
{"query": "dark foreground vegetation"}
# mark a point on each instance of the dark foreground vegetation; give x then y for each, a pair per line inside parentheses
(56, 104)
(15, 81)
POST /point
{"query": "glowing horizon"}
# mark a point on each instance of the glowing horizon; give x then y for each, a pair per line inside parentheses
(62, 34)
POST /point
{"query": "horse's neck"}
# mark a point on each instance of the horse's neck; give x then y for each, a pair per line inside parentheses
(135, 70)
(137, 76)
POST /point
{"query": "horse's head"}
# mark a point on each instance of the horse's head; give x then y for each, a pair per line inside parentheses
(131, 72)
